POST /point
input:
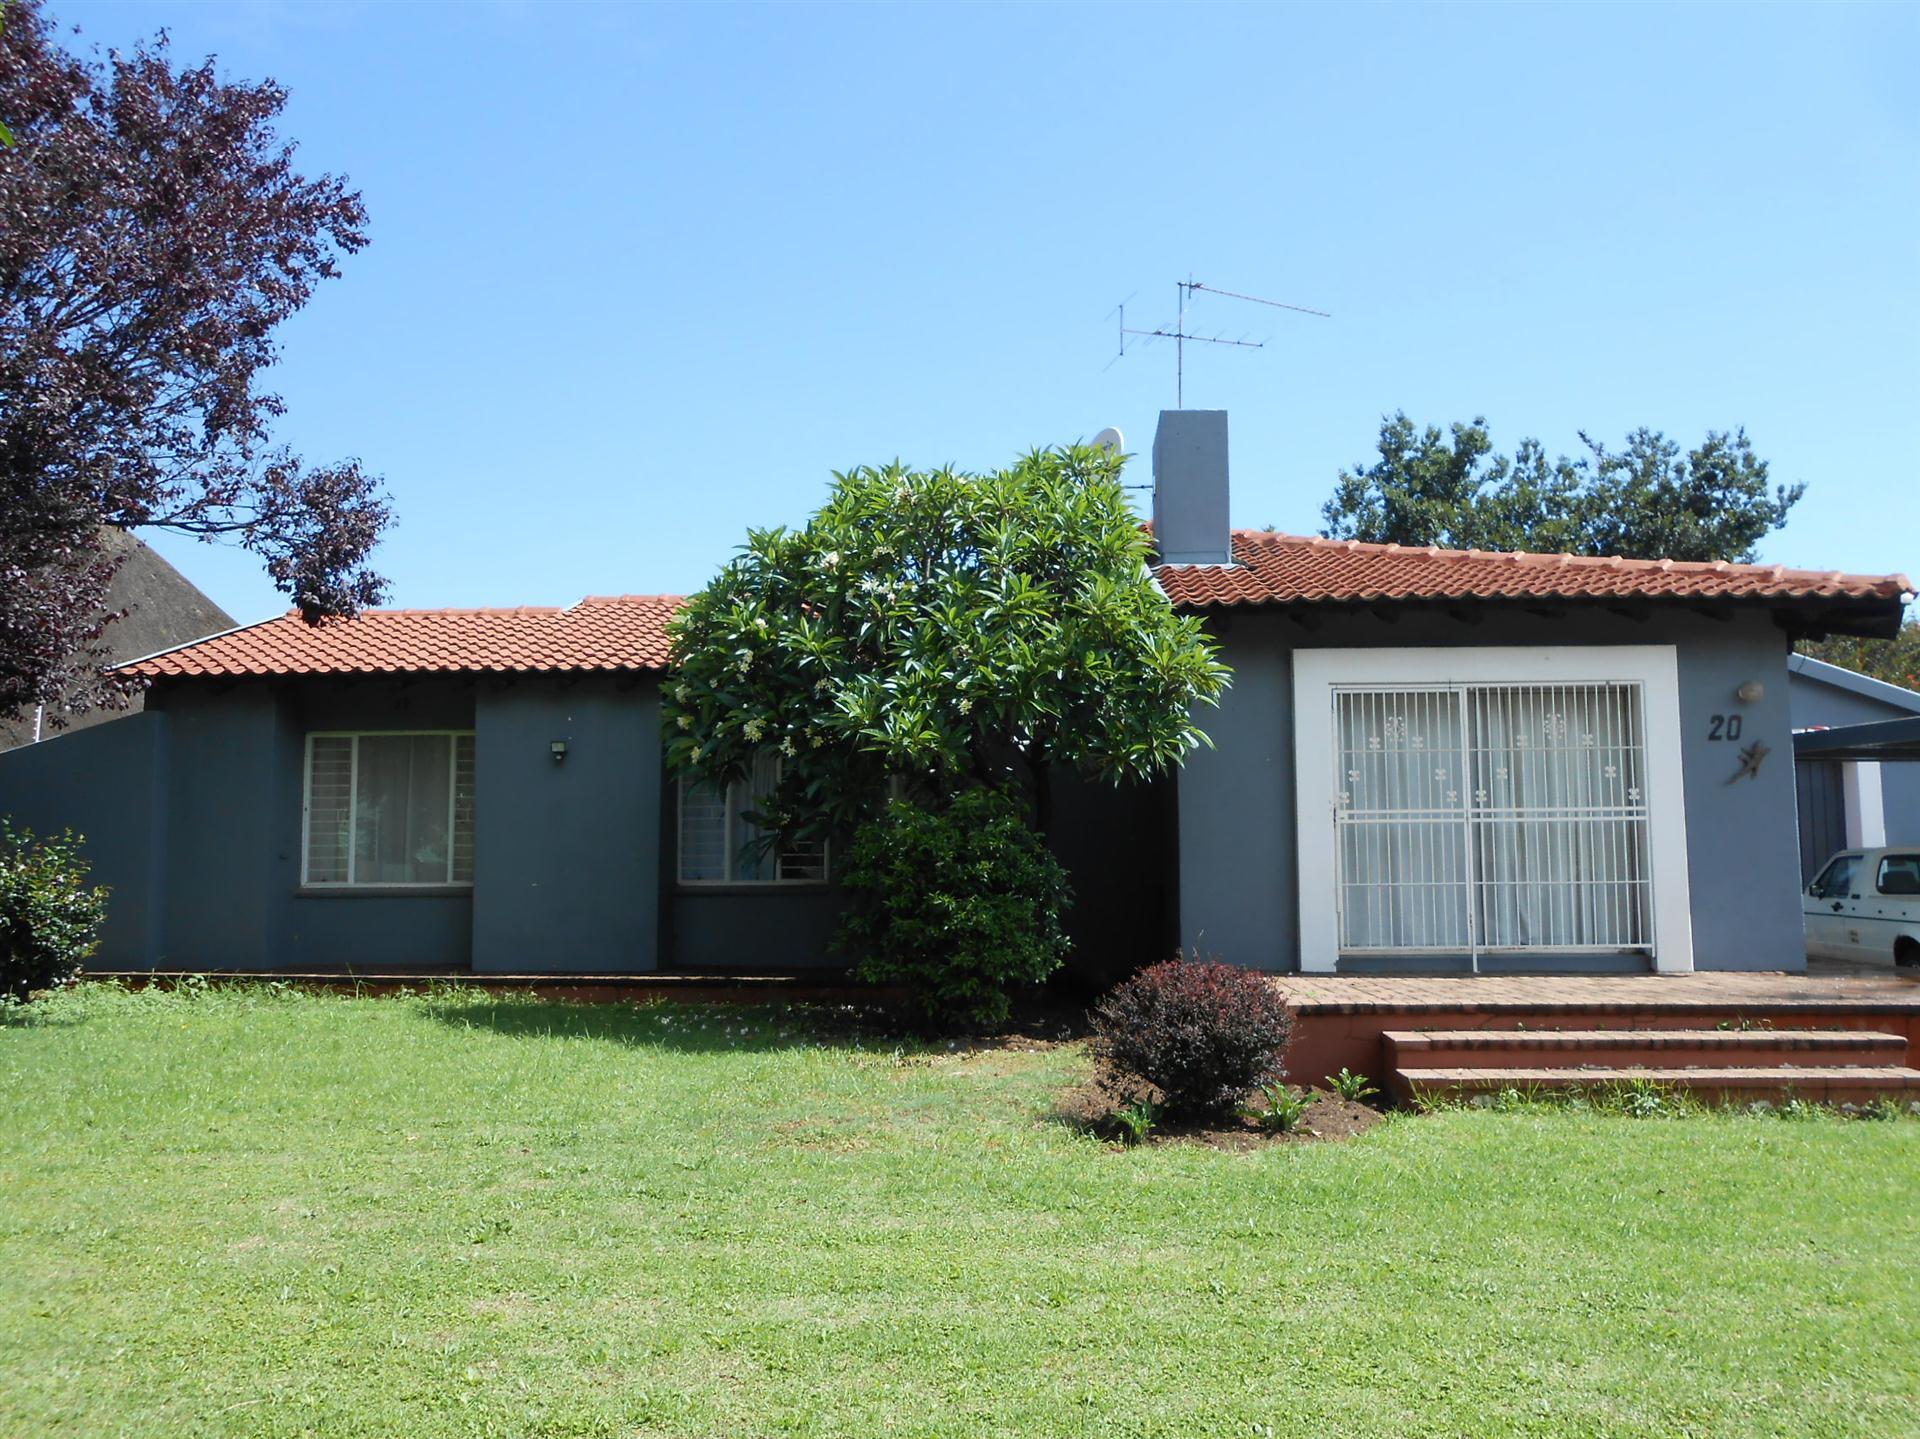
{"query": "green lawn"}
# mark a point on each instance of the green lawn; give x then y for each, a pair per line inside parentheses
(258, 1213)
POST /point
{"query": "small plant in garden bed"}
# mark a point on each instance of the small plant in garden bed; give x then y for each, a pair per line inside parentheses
(1280, 1109)
(1349, 1085)
(1884, 1108)
(1201, 1033)
(1794, 1107)
(1137, 1120)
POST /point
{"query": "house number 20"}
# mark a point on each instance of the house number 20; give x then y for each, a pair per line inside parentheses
(1723, 727)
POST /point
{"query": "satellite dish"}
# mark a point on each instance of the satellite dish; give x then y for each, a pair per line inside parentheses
(1110, 440)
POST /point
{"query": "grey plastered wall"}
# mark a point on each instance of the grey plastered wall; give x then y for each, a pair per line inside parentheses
(107, 783)
(751, 928)
(233, 890)
(567, 853)
(1235, 808)
(226, 880)
(1235, 802)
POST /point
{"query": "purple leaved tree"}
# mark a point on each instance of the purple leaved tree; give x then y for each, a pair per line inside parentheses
(153, 235)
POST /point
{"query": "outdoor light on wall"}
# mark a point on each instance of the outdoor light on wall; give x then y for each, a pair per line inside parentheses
(559, 749)
(1750, 692)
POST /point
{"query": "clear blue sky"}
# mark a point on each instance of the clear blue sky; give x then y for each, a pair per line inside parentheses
(641, 277)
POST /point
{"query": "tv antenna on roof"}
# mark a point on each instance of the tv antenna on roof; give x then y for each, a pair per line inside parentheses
(1188, 288)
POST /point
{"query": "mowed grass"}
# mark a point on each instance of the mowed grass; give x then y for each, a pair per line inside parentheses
(257, 1213)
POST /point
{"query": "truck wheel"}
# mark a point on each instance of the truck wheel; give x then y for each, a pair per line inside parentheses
(1906, 952)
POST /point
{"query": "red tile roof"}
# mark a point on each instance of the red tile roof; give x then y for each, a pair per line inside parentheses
(602, 632)
(629, 632)
(1292, 569)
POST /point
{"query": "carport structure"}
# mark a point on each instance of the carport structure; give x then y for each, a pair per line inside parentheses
(1843, 803)
(1897, 739)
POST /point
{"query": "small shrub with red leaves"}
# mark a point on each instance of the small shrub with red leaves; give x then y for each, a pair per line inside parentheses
(1201, 1032)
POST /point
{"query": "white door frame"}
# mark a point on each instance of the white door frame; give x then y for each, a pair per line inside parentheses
(1655, 668)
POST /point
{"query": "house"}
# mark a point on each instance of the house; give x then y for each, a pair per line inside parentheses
(161, 608)
(1847, 802)
(1429, 760)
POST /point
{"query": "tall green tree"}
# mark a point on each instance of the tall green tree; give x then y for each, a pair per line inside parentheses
(1647, 500)
(940, 630)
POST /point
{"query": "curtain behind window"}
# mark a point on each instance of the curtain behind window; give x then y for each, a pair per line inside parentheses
(403, 810)
(1403, 839)
(1560, 817)
(1492, 817)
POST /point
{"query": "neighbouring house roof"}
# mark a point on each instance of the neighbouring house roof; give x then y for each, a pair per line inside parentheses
(601, 632)
(1273, 569)
(157, 606)
(1866, 686)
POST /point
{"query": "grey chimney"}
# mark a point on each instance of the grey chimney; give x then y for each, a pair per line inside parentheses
(1190, 488)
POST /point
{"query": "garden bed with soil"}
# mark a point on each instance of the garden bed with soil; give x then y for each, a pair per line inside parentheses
(1090, 1107)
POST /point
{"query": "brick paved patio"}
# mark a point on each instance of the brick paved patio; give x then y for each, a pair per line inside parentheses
(1617, 993)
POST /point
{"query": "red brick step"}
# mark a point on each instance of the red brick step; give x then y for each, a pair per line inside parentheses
(1825, 1084)
(1833, 1066)
(1667, 1048)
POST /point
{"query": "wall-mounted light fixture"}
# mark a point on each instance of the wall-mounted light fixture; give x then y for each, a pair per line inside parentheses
(1750, 692)
(559, 750)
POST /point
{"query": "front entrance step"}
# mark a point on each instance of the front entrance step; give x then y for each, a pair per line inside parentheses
(1823, 1084)
(1663, 1048)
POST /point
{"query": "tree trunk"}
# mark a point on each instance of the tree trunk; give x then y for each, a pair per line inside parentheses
(1042, 797)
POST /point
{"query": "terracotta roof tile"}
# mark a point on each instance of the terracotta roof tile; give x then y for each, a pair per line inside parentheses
(629, 632)
(1293, 569)
(602, 632)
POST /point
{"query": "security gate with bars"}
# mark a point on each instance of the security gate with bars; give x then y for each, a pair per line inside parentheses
(1491, 818)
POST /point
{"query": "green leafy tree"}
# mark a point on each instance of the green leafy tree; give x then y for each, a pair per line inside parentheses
(50, 917)
(937, 631)
(1897, 661)
(949, 639)
(1647, 501)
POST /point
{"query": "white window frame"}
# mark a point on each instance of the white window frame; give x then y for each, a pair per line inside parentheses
(729, 813)
(1655, 668)
(353, 801)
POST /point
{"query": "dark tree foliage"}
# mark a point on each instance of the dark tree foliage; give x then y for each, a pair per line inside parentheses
(153, 235)
(1897, 661)
(1646, 501)
(957, 904)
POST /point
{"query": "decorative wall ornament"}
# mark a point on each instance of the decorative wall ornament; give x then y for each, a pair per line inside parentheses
(1750, 758)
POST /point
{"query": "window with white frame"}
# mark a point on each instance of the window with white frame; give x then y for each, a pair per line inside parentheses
(1490, 802)
(721, 844)
(389, 809)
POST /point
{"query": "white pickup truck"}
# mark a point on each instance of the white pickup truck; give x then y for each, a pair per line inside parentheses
(1865, 905)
